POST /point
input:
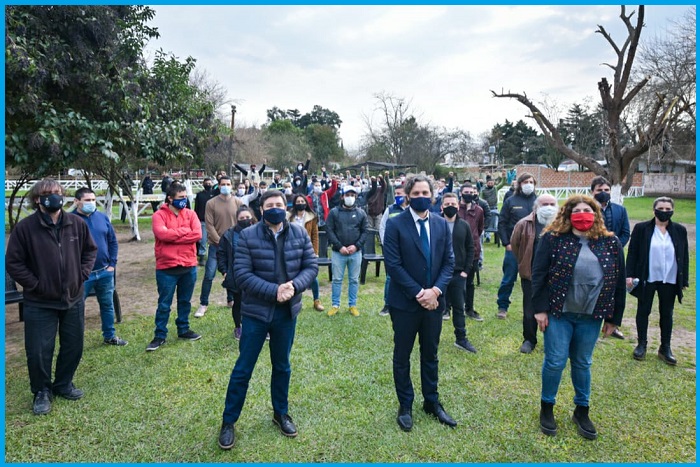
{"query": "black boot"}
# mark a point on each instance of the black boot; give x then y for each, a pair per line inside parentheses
(547, 423)
(666, 355)
(640, 351)
(584, 424)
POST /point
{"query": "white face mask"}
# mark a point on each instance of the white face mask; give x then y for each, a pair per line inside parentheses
(349, 201)
(287, 191)
(240, 192)
(317, 188)
(546, 214)
(527, 188)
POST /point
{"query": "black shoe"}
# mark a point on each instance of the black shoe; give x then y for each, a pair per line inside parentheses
(42, 402)
(405, 418)
(527, 347)
(640, 351)
(155, 344)
(474, 315)
(465, 345)
(547, 423)
(617, 334)
(286, 424)
(385, 311)
(583, 423)
(72, 394)
(446, 316)
(227, 436)
(666, 355)
(115, 341)
(202, 262)
(435, 409)
(190, 335)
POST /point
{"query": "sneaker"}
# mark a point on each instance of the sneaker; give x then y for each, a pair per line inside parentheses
(237, 333)
(229, 303)
(474, 315)
(267, 337)
(354, 311)
(502, 314)
(318, 306)
(465, 345)
(200, 311)
(527, 347)
(155, 344)
(385, 311)
(190, 335)
(115, 341)
(42, 402)
(333, 311)
(446, 316)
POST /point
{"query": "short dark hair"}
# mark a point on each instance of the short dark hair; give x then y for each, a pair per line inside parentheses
(599, 180)
(207, 179)
(224, 177)
(43, 186)
(173, 190)
(450, 195)
(245, 208)
(80, 192)
(271, 194)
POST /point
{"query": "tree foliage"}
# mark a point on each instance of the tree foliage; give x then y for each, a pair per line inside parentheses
(663, 110)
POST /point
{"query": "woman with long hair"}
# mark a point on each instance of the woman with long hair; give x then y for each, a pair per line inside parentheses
(302, 214)
(578, 282)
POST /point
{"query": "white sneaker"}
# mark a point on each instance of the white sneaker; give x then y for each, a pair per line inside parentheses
(200, 311)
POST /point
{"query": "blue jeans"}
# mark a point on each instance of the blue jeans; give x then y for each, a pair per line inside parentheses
(209, 275)
(167, 285)
(314, 288)
(202, 244)
(338, 263)
(571, 336)
(510, 275)
(253, 333)
(103, 283)
(386, 290)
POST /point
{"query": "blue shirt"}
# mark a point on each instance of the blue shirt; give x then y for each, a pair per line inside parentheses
(104, 236)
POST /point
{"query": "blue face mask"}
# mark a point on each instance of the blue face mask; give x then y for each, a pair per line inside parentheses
(420, 204)
(225, 190)
(274, 215)
(180, 203)
(89, 207)
(399, 200)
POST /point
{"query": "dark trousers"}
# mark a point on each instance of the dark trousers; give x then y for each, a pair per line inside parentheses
(469, 287)
(455, 302)
(529, 321)
(667, 297)
(427, 325)
(253, 335)
(236, 308)
(40, 328)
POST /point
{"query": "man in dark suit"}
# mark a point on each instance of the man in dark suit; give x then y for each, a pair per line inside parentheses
(419, 258)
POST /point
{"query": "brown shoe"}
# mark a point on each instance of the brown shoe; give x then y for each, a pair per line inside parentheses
(318, 306)
(502, 314)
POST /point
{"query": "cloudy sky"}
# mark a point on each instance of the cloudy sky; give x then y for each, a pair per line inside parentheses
(444, 59)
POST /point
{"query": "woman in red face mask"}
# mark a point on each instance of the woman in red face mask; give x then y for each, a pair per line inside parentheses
(578, 282)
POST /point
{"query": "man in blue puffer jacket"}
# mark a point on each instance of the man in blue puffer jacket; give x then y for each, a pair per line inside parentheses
(275, 262)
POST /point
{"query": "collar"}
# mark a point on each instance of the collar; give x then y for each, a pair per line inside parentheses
(415, 215)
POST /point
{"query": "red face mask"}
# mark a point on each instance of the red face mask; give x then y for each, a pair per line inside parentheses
(582, 221)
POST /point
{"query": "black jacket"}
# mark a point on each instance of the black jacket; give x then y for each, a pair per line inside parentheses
(463, 244)
(514, 208)
(51, 264)
(346, 227)
(638, 255)
(200, 202)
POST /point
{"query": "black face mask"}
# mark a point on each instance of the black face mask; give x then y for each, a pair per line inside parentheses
(467, 198)
(450, 211)
(475, 197)
(663, 216)
(207, 187)
(299, 207)
(52, 202)
(603, 197)
(243, 223)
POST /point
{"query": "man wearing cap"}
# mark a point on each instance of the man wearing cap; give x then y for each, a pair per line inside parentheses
(346, 226)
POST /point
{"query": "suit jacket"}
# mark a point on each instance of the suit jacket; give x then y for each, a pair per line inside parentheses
(620, 223)
(638, 255)
(463, 245)
(407, 265)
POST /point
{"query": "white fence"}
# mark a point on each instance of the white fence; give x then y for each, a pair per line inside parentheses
(561, 193)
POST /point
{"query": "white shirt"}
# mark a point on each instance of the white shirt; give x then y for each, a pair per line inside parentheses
(416, 218)
(662, 258)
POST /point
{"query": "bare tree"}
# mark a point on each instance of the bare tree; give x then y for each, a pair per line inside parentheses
(615, 98)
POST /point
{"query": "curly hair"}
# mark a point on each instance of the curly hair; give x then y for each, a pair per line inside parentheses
(562, 223)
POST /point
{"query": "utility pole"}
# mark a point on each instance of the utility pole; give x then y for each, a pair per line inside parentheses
(230, 156)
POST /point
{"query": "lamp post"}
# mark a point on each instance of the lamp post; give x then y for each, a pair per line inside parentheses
(230, 156)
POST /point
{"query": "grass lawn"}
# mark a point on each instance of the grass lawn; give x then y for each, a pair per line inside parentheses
(165, 406)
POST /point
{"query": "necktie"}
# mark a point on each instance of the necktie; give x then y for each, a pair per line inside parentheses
(426, 249)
